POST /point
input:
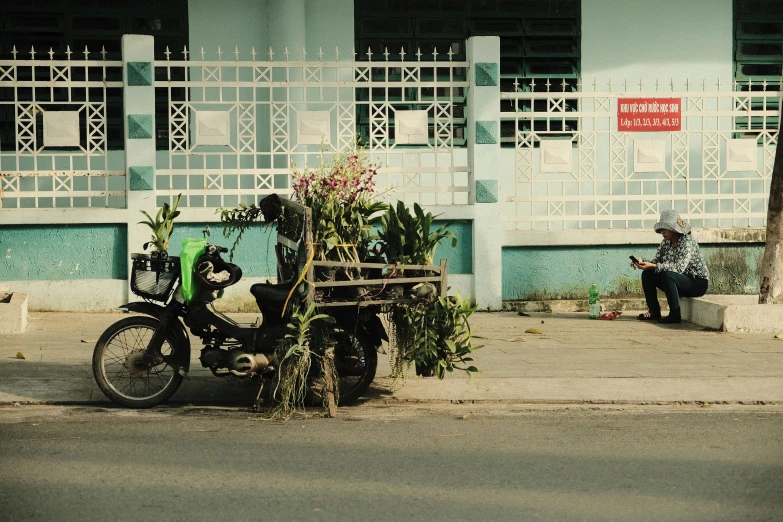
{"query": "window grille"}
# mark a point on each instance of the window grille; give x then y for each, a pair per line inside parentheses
(758, 57)
(539, 41)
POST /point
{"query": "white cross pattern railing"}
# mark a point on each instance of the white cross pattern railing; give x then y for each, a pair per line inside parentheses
(237, 126)
(715, 170)
(56, 156)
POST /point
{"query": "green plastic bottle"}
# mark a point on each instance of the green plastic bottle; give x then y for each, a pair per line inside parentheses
(594, 302)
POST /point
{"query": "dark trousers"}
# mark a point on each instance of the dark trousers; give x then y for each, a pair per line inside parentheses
(673, 285)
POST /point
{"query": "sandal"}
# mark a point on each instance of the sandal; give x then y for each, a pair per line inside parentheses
(647, 316)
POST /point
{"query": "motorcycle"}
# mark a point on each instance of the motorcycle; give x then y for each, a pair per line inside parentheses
(140, 361)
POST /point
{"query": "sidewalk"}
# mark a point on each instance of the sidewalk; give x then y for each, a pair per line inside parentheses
(574, 360)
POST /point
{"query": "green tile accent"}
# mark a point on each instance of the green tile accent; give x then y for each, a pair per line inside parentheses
(139, 73)
(139, 126)
(486, 191)
(486, 74)
(142, 178)
(486, 132)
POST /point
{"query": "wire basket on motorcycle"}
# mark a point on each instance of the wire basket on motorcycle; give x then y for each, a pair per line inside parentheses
(154, 278)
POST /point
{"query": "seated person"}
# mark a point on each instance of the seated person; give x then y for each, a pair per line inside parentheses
(678, 269)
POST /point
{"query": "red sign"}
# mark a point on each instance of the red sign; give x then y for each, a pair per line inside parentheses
(649, 114)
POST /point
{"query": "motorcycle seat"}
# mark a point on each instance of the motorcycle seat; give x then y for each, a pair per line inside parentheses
(270, 293)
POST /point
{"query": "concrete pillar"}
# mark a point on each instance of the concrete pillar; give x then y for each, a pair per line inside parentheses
(483, 53)
(139, 122)
(286, 28)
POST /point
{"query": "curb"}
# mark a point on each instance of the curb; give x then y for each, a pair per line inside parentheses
(577, 305)
(206, 390)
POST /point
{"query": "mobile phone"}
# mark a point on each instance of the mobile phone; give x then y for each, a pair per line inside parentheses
(632, 258)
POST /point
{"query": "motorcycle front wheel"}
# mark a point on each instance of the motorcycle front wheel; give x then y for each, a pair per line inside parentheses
(118, 369)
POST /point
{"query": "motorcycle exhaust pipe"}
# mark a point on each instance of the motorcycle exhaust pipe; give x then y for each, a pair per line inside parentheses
(246, 363)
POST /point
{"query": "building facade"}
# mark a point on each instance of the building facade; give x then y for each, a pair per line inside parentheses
(554, 131)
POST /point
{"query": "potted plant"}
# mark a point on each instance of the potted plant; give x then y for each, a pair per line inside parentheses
(435, 337)
(162, 227)
(154, 274)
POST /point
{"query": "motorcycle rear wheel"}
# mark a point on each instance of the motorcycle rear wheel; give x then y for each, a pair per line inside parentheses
(118, 348)
(356, 361)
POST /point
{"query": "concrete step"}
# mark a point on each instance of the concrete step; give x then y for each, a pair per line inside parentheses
(727, 313)
(733, 313)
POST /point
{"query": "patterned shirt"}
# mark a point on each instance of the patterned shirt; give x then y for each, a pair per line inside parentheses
(684, 258)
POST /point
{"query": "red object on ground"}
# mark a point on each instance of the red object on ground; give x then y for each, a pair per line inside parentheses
(610, 316)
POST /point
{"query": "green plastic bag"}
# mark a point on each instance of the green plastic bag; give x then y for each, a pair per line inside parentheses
(191, 250)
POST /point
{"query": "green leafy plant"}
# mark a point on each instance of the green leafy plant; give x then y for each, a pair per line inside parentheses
(436, 335)
(407, 238)
(162, 226)
(238, 220)
(301, 346)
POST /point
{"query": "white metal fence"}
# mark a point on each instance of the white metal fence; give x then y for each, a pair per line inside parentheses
(54, 148)
(575, 170)
(236, 127)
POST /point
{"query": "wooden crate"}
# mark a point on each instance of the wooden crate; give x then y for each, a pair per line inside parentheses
(296, 255)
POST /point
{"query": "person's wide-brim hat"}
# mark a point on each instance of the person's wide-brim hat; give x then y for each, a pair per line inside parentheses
(671, 220)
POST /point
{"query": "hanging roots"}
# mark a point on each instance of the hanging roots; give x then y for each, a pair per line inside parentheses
(401, 338)
(308, 343)
(290, 384)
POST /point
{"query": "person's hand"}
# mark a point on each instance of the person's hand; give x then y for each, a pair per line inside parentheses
(636, 265)
(645, 265)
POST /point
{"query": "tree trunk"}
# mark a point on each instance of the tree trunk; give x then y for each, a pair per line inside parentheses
(771, 269)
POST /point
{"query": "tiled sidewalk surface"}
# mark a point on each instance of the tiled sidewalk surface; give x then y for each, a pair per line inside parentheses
(574, 359)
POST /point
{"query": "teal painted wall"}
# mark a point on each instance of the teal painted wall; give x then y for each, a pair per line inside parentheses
(62, 252)
(329, 25)
(255, 253)
(664, 39)
(460, 258)
(239, 23)
(54, 252)
(567, 272)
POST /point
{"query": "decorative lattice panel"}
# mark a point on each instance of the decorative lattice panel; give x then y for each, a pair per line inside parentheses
(576, 169)
(237, 126)
(55, 155)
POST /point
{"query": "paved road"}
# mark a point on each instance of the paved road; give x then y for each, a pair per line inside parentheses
(450, 463)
